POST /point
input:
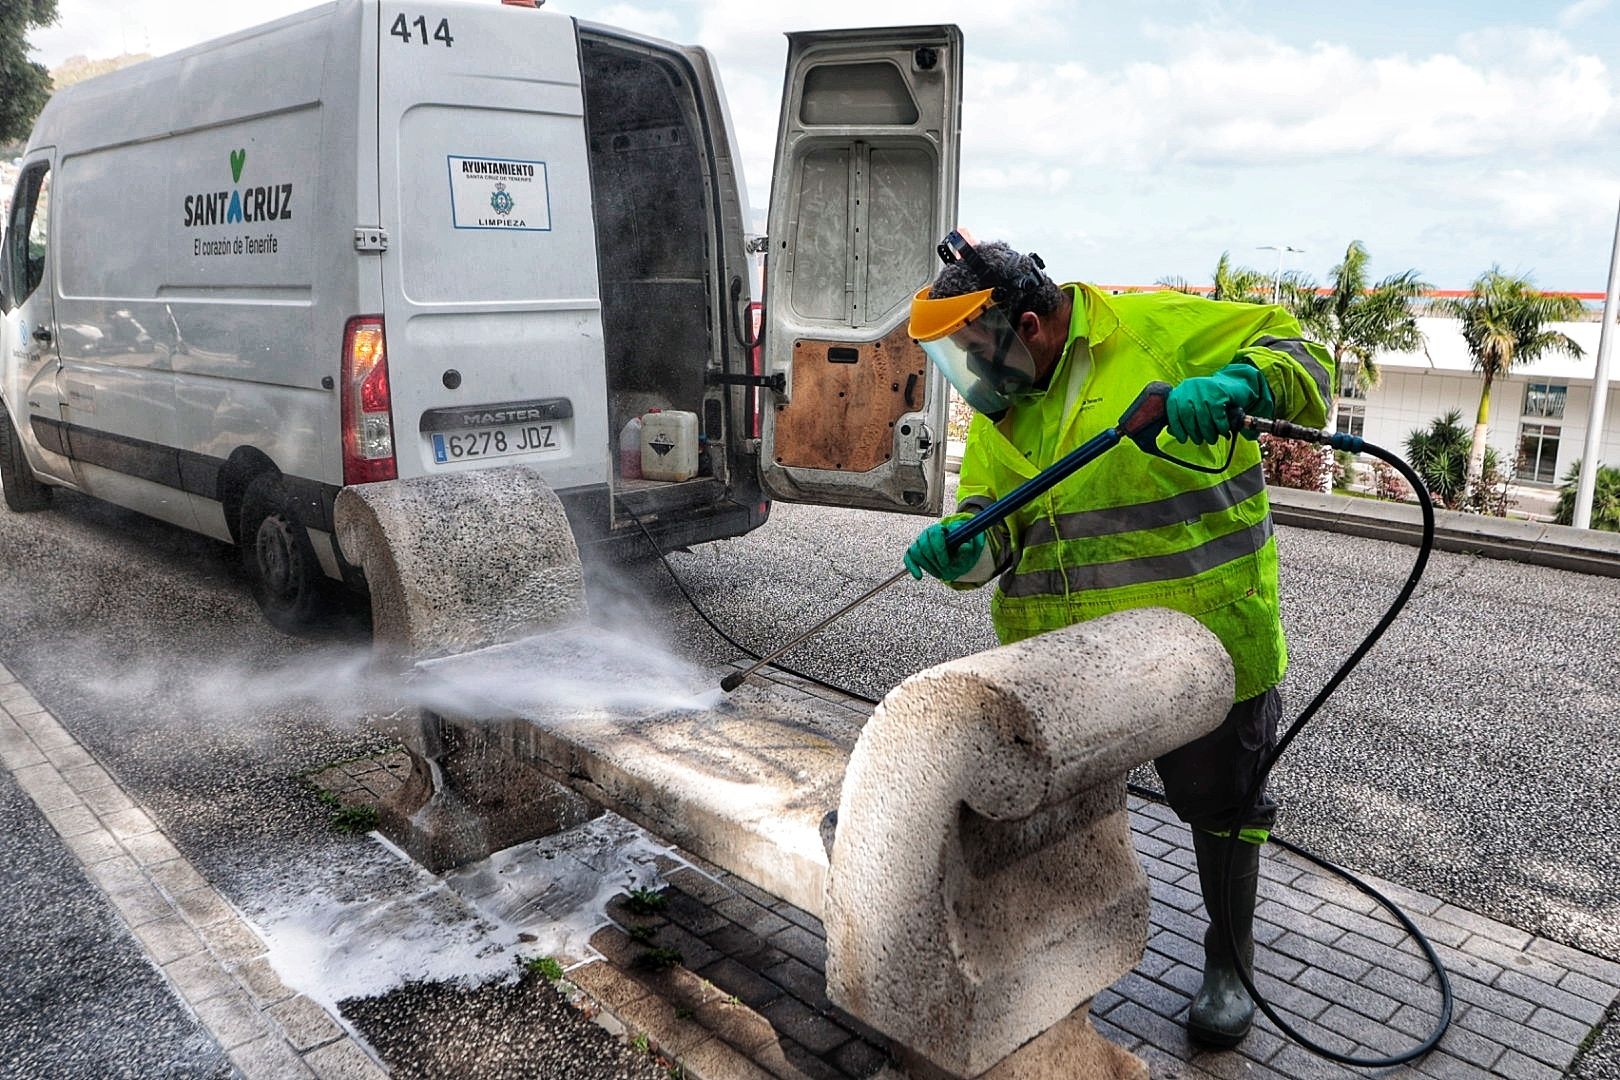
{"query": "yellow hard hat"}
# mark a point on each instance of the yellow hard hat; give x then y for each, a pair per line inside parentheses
(933, 319)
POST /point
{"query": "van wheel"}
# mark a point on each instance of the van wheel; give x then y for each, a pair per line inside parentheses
(286, 578)
(23, 490)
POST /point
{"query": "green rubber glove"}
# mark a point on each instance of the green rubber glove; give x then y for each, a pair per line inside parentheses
(928, 553)
(1201, 408)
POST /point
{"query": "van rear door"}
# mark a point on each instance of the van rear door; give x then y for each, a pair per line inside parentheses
(864, 187)
(492, 308)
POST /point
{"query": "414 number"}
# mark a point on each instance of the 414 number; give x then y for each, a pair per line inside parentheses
(402, 30)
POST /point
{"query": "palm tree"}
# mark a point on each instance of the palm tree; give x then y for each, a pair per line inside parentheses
(1503, 323)
(1356, 321)
(1240, 284)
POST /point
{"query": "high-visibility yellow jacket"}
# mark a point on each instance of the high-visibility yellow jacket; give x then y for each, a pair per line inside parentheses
(1131, 530)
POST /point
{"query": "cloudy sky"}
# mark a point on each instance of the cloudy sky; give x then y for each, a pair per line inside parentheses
(1129, 142)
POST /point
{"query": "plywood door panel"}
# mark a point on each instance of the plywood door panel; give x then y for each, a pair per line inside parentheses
(847, 399)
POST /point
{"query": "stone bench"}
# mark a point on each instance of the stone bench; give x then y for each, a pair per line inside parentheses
(979, 885)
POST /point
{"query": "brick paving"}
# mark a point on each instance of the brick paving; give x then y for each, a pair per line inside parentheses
(1339, 968)
(1336, 966)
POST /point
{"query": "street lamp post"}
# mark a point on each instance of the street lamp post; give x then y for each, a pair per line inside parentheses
(1586, 486)
(1276, 281)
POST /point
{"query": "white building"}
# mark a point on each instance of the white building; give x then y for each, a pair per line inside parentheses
(1539, 411)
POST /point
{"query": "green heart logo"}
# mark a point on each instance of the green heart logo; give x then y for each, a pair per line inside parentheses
(238, 159)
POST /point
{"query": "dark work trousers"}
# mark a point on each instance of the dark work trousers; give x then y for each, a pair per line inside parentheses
(1206, 779)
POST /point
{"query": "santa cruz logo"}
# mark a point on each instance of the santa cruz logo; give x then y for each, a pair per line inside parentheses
(501, 201)
(239, 205)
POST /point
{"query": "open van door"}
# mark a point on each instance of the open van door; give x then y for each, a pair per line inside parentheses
(864, 187)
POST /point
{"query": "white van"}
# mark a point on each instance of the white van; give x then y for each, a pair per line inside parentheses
(381, 240)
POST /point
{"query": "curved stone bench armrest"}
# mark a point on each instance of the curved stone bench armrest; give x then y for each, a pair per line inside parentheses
(459, 561)
(983, 884)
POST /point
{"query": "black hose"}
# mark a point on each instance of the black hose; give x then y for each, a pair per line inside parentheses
(1338, 442)
(727, 638)
(1353, 444)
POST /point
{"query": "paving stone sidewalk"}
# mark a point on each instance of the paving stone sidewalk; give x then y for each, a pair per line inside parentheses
(727, 981)
(1340, 969)
(748, 998)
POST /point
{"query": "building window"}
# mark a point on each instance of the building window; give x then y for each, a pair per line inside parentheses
(1538, 452)
(1349, 385)
(1352, 419)
(1545, 400)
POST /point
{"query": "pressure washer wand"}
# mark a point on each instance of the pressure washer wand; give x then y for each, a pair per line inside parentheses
(1140, 423)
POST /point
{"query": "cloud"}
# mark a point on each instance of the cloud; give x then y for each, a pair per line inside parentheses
(1548, 195)
(661, 23)
(1018, 177)
(1580, 11)
(739, 29)
(1498, 91)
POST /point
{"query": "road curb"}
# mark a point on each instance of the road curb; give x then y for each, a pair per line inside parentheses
(1582, 551)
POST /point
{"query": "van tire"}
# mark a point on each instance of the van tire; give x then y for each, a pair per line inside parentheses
(286, 578)
(23, 490)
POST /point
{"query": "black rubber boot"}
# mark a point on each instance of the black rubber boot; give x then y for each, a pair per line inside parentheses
(1222, 1012)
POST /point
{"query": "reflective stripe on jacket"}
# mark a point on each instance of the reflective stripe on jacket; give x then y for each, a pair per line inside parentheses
(1132, 530)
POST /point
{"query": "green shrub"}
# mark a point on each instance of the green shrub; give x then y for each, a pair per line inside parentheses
(1439, 454)
(645, 901)
(1605, 497)
(659, 959)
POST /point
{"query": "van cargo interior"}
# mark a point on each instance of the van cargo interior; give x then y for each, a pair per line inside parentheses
(649, 179)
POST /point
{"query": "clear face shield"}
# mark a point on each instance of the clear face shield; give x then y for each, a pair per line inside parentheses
(986, 361)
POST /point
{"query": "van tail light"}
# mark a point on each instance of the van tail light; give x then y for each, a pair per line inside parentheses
(368, 415)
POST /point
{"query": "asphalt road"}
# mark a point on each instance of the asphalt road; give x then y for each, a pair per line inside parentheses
(74, 982)
(1472, 756)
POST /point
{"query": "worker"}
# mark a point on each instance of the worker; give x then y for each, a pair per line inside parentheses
(1047, 367)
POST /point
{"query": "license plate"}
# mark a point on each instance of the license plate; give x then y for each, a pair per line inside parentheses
(489, 442)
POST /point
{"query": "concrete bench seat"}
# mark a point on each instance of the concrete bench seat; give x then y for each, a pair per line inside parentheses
(746, 782)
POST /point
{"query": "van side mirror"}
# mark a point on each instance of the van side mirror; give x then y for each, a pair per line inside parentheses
(5, 275)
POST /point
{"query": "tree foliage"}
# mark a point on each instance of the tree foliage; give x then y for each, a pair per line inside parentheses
(1356, 319)
(24, 84)
(1504, 323)
(76, 69)
(1240, 284)
(1605, 497)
